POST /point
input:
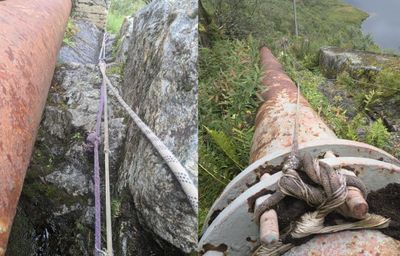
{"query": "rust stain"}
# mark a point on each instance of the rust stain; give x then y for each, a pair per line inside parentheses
(210, 247)
(30, 37)
(252, 200)
(275, 117)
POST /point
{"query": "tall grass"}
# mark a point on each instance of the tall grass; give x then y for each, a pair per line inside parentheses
(230, 75)
(119, 10)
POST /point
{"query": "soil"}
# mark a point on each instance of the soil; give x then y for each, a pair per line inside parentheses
(289, 210)
(386, 202)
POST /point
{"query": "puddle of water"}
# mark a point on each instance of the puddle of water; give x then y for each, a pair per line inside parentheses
(383, 23)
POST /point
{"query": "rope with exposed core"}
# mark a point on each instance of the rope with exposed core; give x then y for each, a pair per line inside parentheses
(332, 195)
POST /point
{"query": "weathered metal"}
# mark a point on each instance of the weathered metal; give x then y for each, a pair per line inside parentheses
(31, 33)
(275, 117)
(230, 224)
(273, 161)
(362, 242)
(235, 227)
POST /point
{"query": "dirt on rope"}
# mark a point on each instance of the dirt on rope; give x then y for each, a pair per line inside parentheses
(386, 202)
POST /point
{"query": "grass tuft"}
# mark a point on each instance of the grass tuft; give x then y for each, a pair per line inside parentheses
(229, 79)
(70, 32)
(119, 10)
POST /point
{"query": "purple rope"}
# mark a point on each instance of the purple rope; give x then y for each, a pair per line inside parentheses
(94, 138)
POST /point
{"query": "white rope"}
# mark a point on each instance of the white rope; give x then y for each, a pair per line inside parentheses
(102, 67)
(176, 167)
(274, 249)
(310, 224)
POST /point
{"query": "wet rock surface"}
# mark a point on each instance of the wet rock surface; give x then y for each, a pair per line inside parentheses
(58, 190)
(160, 83)
(85, 45)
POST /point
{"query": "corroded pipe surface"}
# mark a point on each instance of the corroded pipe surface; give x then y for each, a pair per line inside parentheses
(31, 33)
(274, 131)
(275, 118)
(361, 242)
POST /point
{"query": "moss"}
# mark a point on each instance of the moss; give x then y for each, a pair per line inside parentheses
(22, 236)
(116, 69)
(77, 136)
(70, 32)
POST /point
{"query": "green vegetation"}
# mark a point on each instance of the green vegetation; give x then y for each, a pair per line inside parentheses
(115, 208)
(229, 79)
(70, 32)
(231, 33)
(77, 136)
(116, 69)
(119, 10)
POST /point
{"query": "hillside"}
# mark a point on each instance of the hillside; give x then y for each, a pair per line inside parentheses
(231, 33)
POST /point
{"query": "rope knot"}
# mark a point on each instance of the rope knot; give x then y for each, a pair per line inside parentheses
(327, 191)
(92, 138)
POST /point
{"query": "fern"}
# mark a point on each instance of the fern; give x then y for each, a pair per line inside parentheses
(378, 135)
(371, 98)
(224, 142)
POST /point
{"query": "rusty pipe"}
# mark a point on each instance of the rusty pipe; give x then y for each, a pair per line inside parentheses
(274, 131)
(275, 117)
(31, 34)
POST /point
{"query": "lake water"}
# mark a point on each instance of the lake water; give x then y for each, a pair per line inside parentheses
(383, 23)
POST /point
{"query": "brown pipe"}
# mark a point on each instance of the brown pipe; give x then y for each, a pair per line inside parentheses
(31, 33)
(275, 117)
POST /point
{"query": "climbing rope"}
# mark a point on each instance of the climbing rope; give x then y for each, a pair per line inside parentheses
(102, 65)
(94, 139)
(176, 167)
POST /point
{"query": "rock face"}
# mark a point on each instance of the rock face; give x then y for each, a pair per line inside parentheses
(125, 35)
(333, 60)
(94, 11)
(58, 189)
(160, 83)
(56, 209)
(365, 66)
(85, 46)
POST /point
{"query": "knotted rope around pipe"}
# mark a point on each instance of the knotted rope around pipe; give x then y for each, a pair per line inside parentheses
(327, 197)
